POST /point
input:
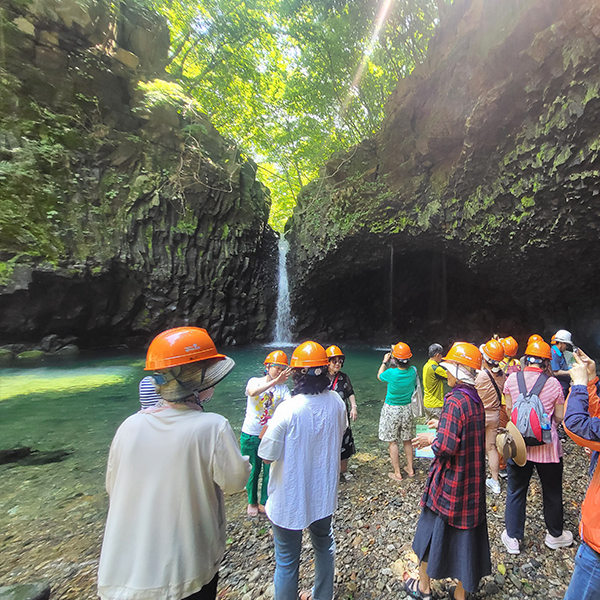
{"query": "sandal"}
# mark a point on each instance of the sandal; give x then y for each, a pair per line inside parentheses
(411, 585)
(306, 595)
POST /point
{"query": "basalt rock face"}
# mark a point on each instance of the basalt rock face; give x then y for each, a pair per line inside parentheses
(482, 188)
(123, 210)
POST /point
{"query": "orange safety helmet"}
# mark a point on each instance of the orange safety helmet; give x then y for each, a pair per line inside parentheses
(464, 354)
(401, 351)
(277, 357)
(553, 340)
(333, 351)
(180, 346)
(539, 349)
(493, 350)
(510, 346)
(534, 338)
(309, 354)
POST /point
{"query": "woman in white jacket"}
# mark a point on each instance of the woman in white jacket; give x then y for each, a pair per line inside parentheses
(167, 471)
(303, 439)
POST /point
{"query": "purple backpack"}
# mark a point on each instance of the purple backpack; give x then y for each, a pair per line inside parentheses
(528, 412)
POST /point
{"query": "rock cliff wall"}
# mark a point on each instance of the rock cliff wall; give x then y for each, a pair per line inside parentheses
(482, 184)
(123, 211)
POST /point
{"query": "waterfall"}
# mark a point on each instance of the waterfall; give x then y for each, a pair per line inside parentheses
(283, 325)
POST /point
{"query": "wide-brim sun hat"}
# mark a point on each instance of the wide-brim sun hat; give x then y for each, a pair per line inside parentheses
(462, 373)
(196, 377)
(510, 444)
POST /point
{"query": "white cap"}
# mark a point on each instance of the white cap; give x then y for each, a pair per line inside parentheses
(562, 335)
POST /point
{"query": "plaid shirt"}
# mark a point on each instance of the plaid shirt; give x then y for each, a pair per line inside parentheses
(455, 488)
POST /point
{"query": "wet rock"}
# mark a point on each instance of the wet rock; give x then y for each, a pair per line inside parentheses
(45, 457)
(68, 350)
(25, 591)
(14, 454)
(50, 343)
(31, 356)
(6, 356)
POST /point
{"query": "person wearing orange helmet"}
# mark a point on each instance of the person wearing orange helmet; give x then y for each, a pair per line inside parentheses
(168, 469)
(452, 536)
(264, 394)
(489, 384)
(303, 440)
(396, 420)
(546, 458)
(509, 365)
(340, 383)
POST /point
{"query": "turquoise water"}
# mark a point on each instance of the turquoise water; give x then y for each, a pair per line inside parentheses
(77, 406)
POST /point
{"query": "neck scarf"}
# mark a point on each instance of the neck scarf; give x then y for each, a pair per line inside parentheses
(468, 391)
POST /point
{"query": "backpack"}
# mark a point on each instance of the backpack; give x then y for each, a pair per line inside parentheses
(528, 412)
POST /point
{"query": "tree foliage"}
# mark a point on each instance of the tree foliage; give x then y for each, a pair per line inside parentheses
(293, 81)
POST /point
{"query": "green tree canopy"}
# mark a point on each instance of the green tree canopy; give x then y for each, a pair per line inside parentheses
(293, 81)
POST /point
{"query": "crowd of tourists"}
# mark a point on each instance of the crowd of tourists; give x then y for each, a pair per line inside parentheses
(171, 463)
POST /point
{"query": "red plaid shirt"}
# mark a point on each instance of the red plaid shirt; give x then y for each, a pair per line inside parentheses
(455, 488)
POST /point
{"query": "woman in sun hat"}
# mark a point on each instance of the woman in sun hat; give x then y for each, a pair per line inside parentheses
(264, 395)
(167, 471)
(452, 536)
(303, 440)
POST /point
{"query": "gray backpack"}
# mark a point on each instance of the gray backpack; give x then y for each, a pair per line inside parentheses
(528, 412)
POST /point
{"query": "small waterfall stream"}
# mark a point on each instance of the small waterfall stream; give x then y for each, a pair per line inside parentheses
(283, 325)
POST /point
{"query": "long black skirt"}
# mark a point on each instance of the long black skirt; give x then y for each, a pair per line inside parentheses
(462, 554)
(348, 447)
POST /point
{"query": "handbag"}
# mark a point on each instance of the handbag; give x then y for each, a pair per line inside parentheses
(416, 401)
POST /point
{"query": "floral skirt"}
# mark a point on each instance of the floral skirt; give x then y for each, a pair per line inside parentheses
(396, 423)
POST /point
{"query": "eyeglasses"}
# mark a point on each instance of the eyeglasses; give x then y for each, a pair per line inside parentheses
(337, 361)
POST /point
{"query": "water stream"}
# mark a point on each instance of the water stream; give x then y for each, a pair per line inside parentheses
(283, 324)
(52, 514)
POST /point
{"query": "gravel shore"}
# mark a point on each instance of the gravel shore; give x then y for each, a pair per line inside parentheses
(374, 526)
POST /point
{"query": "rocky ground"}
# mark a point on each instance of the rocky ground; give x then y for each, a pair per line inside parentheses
(374, 527)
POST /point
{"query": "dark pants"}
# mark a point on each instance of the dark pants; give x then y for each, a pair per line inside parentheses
(550, 475)
(208, 592)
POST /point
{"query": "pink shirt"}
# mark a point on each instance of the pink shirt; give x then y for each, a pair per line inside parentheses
(551, 395)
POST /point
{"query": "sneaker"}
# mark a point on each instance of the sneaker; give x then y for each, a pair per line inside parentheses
(512, 544)
(563, 540)
(493, 485)
(503, 473)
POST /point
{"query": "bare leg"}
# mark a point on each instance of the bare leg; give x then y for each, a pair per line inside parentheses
(408, 450)
(344, 465)
(424, 579)
(494, 461)
(397, 475)
(491, 430)
(459, 592)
